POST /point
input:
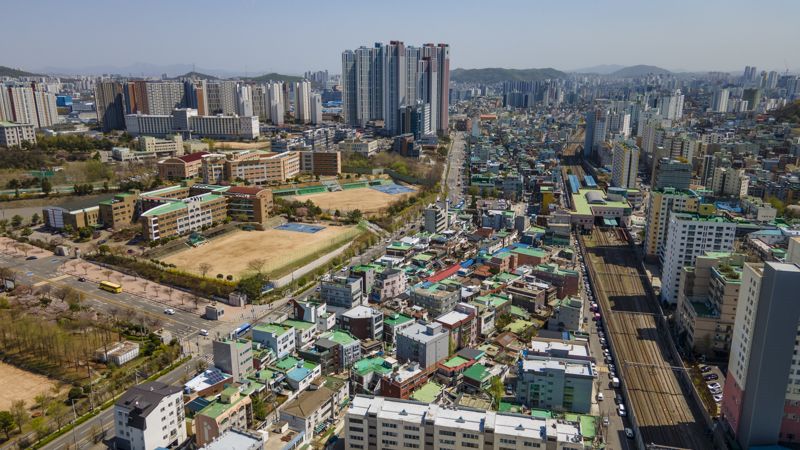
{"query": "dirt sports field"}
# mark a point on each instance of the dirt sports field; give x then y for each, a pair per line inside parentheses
(281, 249)
(368, 200)
(21, 385)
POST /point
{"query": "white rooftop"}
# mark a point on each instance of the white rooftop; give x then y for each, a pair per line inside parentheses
(361, 312)
(451, 318)
(572, 350)
(572, 367)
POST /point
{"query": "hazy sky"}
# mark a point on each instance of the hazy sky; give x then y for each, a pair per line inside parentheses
(294, 36)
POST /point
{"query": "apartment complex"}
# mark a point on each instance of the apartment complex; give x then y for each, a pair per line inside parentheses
(188, 123)
(661, 202)
(14, 134)
(383, 423)
(28, 103)
(690, 235)
(625, 166)
(762, 387)
(149, 416)
(671, 173)
(435, 217)
(379, 81)
(707, 300)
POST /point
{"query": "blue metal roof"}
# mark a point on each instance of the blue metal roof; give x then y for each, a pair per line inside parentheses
(589, 181)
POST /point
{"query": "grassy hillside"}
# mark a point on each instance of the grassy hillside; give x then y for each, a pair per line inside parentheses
(497, 75)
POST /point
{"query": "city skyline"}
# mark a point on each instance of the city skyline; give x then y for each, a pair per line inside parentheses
(530, 34)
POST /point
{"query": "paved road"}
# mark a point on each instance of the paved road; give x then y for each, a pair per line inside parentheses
(181, 324)
(103, 424)
(454, 177)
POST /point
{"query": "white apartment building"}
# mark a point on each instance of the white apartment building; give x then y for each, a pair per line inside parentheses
(625, 165)
(729, 182)
(690, 235)
(279, 338)
(302, 101)
(363, 148)
(149, 416)
(14, 134)
(388, 424)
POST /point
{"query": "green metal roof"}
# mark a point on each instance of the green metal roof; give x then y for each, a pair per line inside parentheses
(455, 362)
(477, 372)
(368, 365)
(299, 324)
(427, 393)
(396, 319)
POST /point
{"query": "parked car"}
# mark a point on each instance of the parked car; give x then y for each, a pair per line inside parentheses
(621, 410)
(618, 398)
(600, 397)
(203, 332)
(705, 369)
(605, 421)
(714, 386)
(718, 398)
(628, 433)
(710, 377)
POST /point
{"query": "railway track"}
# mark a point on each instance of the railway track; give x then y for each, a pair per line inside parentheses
(661, 403)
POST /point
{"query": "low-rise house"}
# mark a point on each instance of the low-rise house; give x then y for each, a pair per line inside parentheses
(426, 344)
(231, 410)
(560, 384)
(308, 412)
(279, 338)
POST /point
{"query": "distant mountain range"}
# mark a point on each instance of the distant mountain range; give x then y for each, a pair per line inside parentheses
(602, 69)
(9, 72)
(153, 70)
(497, 74)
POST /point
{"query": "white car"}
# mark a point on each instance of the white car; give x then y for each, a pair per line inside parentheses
(600, 397)
(203, 332)
(621, 410)
(169, 311)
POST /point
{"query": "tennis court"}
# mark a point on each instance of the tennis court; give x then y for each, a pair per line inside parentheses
(300, 227)
(393, 189)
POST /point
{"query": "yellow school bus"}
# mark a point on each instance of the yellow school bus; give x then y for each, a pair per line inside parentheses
(110, 287)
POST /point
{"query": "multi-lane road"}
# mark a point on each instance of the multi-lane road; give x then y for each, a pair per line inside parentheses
(48, 270)
(455, 170)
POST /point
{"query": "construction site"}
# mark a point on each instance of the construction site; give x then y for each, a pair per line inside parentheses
(655, 386)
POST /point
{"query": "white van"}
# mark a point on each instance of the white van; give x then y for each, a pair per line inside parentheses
(615, 382)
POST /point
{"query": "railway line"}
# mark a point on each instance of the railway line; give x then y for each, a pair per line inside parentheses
(656, 392)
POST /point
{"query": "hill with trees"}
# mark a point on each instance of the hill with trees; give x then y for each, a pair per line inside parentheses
(639, 71)
(789, 113)
(9, 72)
(274, 77)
